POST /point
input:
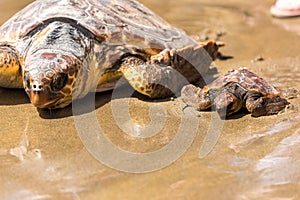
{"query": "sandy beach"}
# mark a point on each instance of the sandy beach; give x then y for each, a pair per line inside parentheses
(43, 156)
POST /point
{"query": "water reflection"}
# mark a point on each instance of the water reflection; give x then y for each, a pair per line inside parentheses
(279, 171)
(264, 132)
(264, 165)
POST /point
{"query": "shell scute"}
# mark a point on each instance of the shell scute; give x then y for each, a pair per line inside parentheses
(246, 79)
(105, 19)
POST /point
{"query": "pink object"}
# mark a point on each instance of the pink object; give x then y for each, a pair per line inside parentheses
(286, 8)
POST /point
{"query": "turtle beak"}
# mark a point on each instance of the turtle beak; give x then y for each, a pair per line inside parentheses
(39, 96)
(38, 99)
(41, 99)
(36, 94)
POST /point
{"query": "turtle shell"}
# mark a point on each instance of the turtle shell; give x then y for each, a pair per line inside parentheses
(112, 21)
(246, 79)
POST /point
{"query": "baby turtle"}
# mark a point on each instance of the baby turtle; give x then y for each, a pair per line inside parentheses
(59, 49)
(235, 90)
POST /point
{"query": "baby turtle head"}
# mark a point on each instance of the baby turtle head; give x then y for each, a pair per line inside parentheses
(226, 104)
(49, 79)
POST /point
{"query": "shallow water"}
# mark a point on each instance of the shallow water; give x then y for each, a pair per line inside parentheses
(42, 156)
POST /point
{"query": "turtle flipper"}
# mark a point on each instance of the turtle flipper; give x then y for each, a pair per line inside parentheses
(167, 72)
(260, 106)
(10, 68)
(212, 48)
(152, 80)
(192, 62)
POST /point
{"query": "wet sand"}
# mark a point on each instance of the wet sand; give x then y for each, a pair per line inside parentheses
(42, 156)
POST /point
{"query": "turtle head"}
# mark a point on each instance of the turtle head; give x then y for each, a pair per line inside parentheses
(227, 103)
(49, 79)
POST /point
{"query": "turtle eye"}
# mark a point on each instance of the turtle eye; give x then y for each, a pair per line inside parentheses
(58, 82)
(229, 106)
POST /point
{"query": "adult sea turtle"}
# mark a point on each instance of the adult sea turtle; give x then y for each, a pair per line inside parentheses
(57, 49)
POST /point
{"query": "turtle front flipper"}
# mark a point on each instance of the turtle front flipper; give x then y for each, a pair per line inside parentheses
(258, 105)
(10, 68)
(166, 73)
(152, 80)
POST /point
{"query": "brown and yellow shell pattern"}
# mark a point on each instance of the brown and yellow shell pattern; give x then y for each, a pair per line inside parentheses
(99, 39)
(247, 80)
(113, 21)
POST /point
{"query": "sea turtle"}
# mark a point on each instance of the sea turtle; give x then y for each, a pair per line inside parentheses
(57, 49)
(235, 90)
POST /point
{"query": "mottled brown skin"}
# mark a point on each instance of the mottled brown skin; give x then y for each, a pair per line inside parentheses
(164, 74)
(235, 90)
(10, 66)
(60, 50)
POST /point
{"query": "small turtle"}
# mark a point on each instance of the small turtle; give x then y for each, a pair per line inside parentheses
(235, 90)
(59, 49)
